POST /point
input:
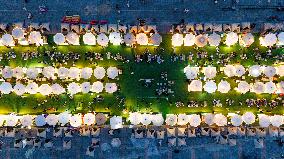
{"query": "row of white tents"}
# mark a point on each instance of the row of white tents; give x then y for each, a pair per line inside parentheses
(235, 70)
(243, 87)
(18, 34)
(62, 72)
(46, 89)
(102, 39)
(230, 38)
(136, 118)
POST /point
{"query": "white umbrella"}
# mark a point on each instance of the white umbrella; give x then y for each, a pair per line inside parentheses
(51, 119)
(115, 142)
(224, 87)
(27, 120)
(62, 72)
(276, 120)
(243, 87)
(40, 120)
(280, 70)
(195, 86)
(236, 120)
(73, 88)
(99, 72)
(45, 89)
(189, 39)
(209, 119)
(280, 38)
(72, 38)
(264, 120)
(6, 88)
(135, 118)
(102, 39)
(258, 88)
(191, 72)
(231, 38)
(171, 119)
(210, 86)
(209, 72)
(18, 72)
(280, 87)
(89, 119)
(74, 73)
(112, 72)
(182, 119)
(177, 39)
(201, 40)
(220, 120)
(146, 119)
(158, 119)
(142, 39)
(48, 71)
(116, 122)
(246, 39)
(32, 88)
(64, 118)
(7, 40)
(57, 89)
(240, 70)
(86, 87)
(229, 70)
(89, 39)
(111, 87)
(269, 71)
(7, 72)
(32, 72)
(18, 33)
(35, 38)
(248, 118)
(115, 38)
(194, 120)
(97, 87)
(19, 89)
(270, 87)
(156, 39)
(76, 120)
(129, 39)
(59, 39)
(11, 120)
(86, 72)
(214, 39)
(269, 39)
(255, 70)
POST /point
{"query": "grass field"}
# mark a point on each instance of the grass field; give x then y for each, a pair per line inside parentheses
(132, 95)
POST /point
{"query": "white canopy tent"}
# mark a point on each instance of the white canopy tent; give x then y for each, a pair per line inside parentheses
(57, 89)
(18, 33)
(194, 120)
(6, 88)
(189, 39)
(182, 119)
(243, 87)
(74, 88)
(7, 40)
(45, 89)
(89, 39)
(276, 120)
(236, 120)
(89, 119)
(258, 88)
(269, 71)
(201, 40)
(75, 120)
(112, 72)
(52, 119)
(99, 72)
(74, 73)
(116, 122)
(210, 86)
(158, 119)
(97, 87)
(280, 37)
(62, 72)
(214, 39)
(220, 120)
(191, 72)
(7, 72)
(255, 70)
(86, 87)
(111, 87)
(35, 38)
(102, 39)
(270, 87)
(64, 118)
(48, 72)
(209, 72)
(209, 118)
(177, 39)
(280, 87)
(231, 38)
(86, 72)
(269, 39)
(18, 72)
(195, 86)
(19, 89)
(280, 70)
(32, 88)
(115, 38)
(59, 39)
(146, 119)
(135, 118)
(239, 70)
(264, 120)
(155, 39)
(229, 70)
(142, 39)
(129, 39)
(246, 39)
(40, 120)
(224, 87)
(32, 73)
(248, 118)
(26, 120)
(72, 38)
(171, 119)
(12, 120)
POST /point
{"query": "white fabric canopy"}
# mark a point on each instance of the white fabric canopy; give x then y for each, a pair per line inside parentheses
(32, 88)
(224, 87)
(129, 39)
(18, 33)
(19, 89)
(248, 118)
(35, 38)
(247, 39)
(135, 118)
(112, 72)
(280, 37)
(74, 73)
(264, 120)
(280, 70)
(146, 119)
(214, 39)
(7, 40)
(27, 120)
(62, 72)
(97, 87)
(276, 120)
(182, 119)
(73, 88)
(116, 122)
(7, 72)
(255, 70)
(64, 118)
(191, 72)
(86, 87)
(177, 39)
(158, 119)
(6, 88)
(72, 38)
(102, 39)
(89, 39)
(57, 89)
(210, 86)
(231, 38)
(171, 119)
(236, 120)
(194, 120)
(258, 88)
(45, 89)
(229, 70)
(75, 120)
(111, 87)
(195, 86)
(243, 87)
(269, 71)
(156, 39)
(32, 72)
(59, 39)
(52, 119)
(115, 38)
(270, 87)
(142, 39)
(18, 72)
(201, 40)
(280, 87)
(99, 72)
(40, 120)
(11, 120)
(209, 72)
(239, 70)
(48, 72)
(189, 40)
(269, 39)
(209, 119)
(86, 72)
(89, 118)
(220, 120)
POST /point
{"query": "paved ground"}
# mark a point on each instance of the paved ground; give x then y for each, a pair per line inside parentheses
(159, 12)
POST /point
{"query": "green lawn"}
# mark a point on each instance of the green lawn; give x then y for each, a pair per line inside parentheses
(132, 95)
